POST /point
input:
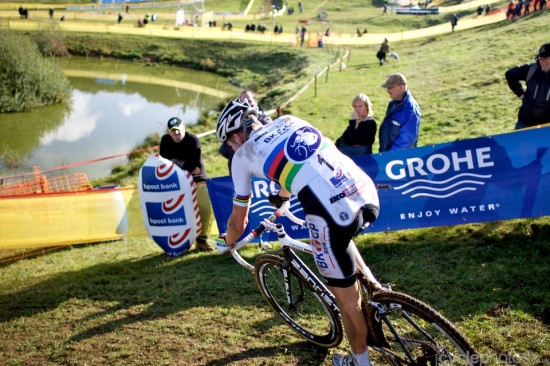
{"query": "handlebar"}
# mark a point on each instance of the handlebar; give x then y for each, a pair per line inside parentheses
(284, 210)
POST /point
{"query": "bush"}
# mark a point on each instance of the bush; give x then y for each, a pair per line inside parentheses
(27, 79)
(51, 44)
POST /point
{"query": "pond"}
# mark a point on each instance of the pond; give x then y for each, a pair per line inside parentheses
(114, 106)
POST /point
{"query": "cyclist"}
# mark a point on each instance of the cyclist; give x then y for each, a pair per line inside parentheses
(338, 199)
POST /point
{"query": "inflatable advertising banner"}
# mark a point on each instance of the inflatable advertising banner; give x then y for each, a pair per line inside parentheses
(494, 178)
(169, 205)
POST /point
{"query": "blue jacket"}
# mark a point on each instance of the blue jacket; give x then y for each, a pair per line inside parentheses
(401, 125)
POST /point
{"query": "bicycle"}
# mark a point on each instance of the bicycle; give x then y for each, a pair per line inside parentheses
(404, 330)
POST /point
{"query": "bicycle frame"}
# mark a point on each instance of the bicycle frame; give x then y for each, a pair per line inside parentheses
(309, 276)
(370, 283)
(381, 305)
(287, 241)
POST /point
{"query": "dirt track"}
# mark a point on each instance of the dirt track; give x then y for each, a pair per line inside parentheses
(94, 22)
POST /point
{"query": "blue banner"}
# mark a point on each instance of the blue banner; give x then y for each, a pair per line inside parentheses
(492, 178)
(220, 191)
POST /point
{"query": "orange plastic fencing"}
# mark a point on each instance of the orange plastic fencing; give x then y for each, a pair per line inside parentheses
(33, 183)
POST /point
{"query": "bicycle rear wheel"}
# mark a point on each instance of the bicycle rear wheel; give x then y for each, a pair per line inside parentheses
(305, 310)
(427, 337)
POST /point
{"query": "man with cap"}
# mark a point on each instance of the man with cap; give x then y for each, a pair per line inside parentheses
(401, 125)
(535, 99)
(184, 149)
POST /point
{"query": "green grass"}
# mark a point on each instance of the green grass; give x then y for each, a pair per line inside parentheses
(125, 303)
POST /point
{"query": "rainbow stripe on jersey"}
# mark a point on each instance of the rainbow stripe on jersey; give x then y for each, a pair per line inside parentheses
(280, 169)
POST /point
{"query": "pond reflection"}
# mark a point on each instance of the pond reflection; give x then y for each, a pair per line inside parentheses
(110, 112)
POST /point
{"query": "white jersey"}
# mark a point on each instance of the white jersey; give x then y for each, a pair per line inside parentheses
(294, 154)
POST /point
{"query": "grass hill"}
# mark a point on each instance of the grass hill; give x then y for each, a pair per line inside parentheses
(124, 303)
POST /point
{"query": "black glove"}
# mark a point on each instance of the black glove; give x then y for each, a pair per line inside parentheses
(277, 200)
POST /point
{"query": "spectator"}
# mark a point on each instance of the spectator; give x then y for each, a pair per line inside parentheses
(320, 174)
(535, 98)
(385, 11)
(383, 51)
(487, 9)
(401, 125)
(517, 9)
(479, 10)
(510, 11)
(184, 149)
(119, 18)
(527, 7)
(454, 22)
(542, 4)
(300, 7)
(50, 13)
(246, 96)
(127, 7)
(359, 136)
(302, 36)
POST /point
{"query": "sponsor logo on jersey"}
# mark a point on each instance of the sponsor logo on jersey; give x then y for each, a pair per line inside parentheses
(273, 131)
(345, 193)
(339, 178)
(302, 144)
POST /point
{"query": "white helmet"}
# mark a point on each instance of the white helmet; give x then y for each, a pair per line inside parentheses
(233, 117)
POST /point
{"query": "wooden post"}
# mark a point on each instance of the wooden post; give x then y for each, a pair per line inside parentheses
(326, 78)
(315, 86)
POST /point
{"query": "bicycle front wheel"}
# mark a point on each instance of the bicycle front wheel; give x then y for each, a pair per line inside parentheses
(420, 335)
(297, 303)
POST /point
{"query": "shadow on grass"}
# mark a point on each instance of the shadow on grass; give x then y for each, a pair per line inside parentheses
(461, 271)
(467, 270)
(310, 355)
(159, 284)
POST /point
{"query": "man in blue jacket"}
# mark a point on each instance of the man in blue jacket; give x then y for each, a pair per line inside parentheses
(401, 125)
(535, 99)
